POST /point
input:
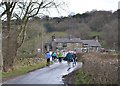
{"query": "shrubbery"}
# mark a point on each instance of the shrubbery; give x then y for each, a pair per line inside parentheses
(101, 68)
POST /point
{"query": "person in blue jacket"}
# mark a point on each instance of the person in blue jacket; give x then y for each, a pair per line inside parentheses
(48, 58)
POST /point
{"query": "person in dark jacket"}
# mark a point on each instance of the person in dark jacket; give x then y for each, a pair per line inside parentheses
(48, 58)
(69, 58)
(74, 59)
(54, 56)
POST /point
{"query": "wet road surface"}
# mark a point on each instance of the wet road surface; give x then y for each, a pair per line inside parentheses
(47, 75)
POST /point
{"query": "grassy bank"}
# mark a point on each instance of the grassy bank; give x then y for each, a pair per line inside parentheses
(23, 70)
(0, 74)
(81, 78)
(76, 77)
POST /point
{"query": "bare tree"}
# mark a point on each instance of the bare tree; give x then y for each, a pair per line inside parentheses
(82, 30)
(16, 15)
(1, 62)
(110, 34)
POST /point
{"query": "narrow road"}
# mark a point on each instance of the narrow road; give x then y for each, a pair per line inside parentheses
(47, 75)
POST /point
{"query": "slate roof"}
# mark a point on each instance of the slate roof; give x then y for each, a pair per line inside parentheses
(91, 42)
(77, 40)
(67, 40)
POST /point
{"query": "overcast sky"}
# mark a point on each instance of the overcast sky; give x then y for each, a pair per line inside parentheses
(81, 6)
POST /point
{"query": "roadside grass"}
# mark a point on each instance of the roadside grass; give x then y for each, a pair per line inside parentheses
(23, 70)
(76, 77)
(0, 74)
(81, 78)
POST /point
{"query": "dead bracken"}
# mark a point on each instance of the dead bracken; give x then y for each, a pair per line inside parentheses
(102, 69)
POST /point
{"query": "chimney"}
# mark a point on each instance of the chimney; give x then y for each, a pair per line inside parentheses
(53, 37)
(96, 38)
(70, 37)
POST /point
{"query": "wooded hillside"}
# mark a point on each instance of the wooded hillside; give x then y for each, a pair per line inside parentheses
(103, 24)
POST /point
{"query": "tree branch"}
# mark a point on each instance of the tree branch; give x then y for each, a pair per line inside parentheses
(27, 11)
(37, 10)
(8, 7)
(13, 7)
(22, 33)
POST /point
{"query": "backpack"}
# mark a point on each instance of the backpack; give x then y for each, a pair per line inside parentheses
(54, 54)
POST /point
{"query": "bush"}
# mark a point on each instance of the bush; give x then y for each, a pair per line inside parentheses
(102, 69)
(80, 56)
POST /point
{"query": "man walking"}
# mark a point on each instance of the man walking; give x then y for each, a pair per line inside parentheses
(74, 59)
(69, 58)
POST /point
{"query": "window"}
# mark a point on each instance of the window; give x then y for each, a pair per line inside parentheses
(77, 44)
(64, 44)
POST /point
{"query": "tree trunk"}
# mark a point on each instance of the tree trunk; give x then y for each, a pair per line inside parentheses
(1, 59)
(9, 50)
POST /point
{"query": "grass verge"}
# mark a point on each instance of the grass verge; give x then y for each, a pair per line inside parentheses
(81, 77)
(23, 70)
(0, 74)
(76, 77)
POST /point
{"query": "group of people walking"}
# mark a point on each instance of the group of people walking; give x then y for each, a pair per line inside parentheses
(69, 56)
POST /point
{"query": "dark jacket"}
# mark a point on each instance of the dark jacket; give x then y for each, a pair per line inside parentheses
(69, 56)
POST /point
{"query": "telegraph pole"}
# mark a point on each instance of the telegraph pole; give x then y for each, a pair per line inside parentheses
(42, 40)
(42, 33)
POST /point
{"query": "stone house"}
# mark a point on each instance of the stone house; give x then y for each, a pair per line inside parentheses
(74, 44)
